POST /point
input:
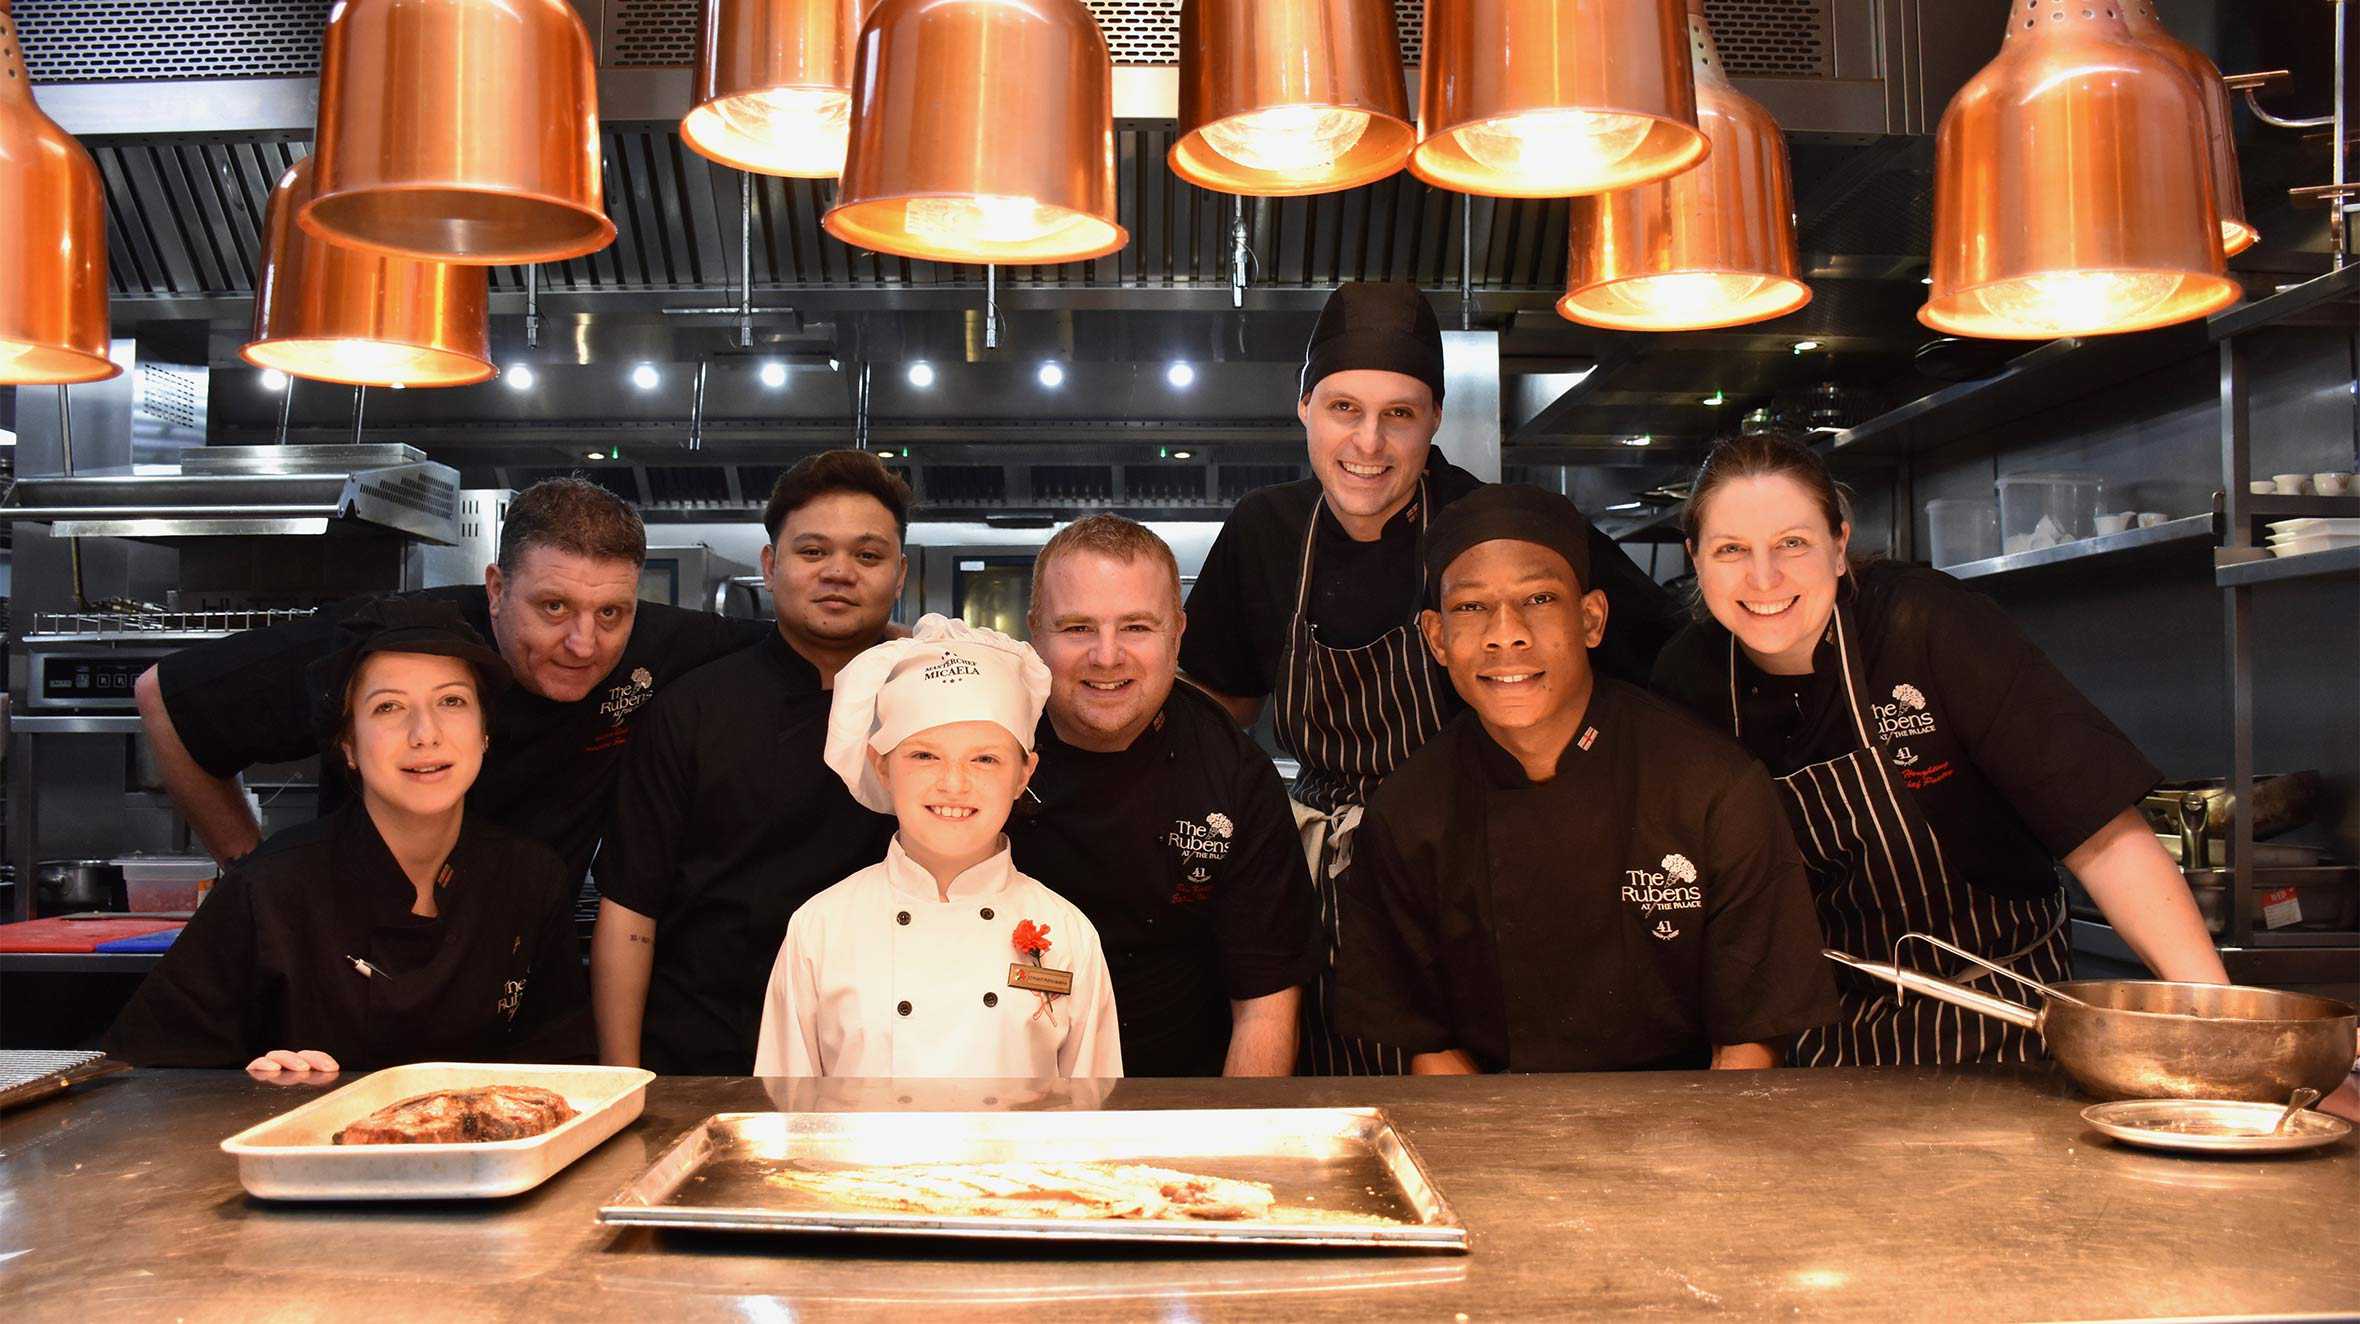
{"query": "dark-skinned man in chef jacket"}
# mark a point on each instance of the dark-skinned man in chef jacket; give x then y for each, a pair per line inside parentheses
(561, 604)
(1308, 600)
(1573, 875)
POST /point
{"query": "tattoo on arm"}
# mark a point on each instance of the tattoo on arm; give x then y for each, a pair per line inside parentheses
(647, 938)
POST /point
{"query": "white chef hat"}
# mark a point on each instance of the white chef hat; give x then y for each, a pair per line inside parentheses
(946, 671)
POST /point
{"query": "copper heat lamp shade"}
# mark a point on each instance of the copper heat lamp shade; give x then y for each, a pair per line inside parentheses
(2237, 233)
(2071, 191)
(459, 131)
(982, 131)
(53, 241)
(335, 314)
(1554, 98)
(774, 85)
(1280, 98)
(1711, 247)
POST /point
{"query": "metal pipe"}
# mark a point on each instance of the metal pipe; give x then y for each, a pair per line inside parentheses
(287, 408)
(532, 305)
(991, 310)
(1467, 262)
(65, 438)
(1241, 252)
(745, 261)
(2339, 214)
(696, 410)
(360, 407)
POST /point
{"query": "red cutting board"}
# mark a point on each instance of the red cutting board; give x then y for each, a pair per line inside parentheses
(76, 935)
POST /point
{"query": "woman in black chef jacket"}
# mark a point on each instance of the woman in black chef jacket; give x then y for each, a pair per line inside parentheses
(1934, 764)
(398, 929)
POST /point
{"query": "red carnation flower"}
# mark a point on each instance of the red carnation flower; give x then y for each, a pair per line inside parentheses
(1032, 939)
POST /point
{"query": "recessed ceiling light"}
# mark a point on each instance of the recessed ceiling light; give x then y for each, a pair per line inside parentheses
(1180, 375)
(921, 375)
(884, 455)
(774, 375)
(1717, 399)
(401, 386)
(1643, 439)
(273, 380)
(1805, 346)
(1052, 376)
(1183, 455)
(519, 377)
(645, 377)
(593, 455)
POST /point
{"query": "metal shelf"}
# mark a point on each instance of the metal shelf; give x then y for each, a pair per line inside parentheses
(2179, 536)
(2270, 569)
(2066, 370)
(76, 724)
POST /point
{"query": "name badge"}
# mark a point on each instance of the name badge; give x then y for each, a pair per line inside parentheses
(1040, 979)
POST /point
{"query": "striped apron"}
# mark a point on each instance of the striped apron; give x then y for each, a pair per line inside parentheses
(1877, 872)
(1349, 716)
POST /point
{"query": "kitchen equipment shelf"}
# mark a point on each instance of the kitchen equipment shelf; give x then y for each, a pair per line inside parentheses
(72, 725)
(2179, 537)
(2271, 569)
(2066, 370)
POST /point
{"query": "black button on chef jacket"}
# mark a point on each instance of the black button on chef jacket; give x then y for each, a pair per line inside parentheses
(1183, 852)
(268, 960)
(551, 769)
(2012, 766)
(726, 820)
(1244, 598)
(1642, 906)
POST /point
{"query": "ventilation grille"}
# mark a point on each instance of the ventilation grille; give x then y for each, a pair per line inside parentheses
(651, 33)
(173, 395)
(1772, 38)
(114, 41)
(1140, 31)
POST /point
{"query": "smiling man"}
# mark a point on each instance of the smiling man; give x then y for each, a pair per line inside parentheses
(728, 817)
(1309, 598)
(560, 603)
(1573, 875)
(1158, 817)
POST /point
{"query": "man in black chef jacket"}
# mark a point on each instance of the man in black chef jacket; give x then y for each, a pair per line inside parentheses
(1573, 876)
(562, 606)
(1152, 812)
(728, 818)
(1309, 597)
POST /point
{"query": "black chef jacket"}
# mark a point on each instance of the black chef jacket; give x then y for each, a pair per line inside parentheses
(726, 820)
(1640, 907)
(2011, 765)
(495, 976)
(550, 772)
(1244, 598)
(1182, 851)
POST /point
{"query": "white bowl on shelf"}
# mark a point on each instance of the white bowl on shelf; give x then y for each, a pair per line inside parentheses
(2318, 542)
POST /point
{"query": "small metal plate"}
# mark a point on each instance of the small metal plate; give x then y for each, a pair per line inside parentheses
(2213, 1126)
(1343, 1176)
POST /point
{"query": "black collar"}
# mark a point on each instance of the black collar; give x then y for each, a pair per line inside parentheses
(1502, 771)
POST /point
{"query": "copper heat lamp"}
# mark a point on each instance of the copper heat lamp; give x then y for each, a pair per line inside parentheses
(2237, 234)
(330, 313)
(1280, 98)
(53, 241)
(982, 131)
(774, 85)
(2071, 191)
(459, 131)
(1713, 246)
(1552, 98)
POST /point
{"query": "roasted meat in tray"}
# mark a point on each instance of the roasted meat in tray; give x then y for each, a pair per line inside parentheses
(470, 1116)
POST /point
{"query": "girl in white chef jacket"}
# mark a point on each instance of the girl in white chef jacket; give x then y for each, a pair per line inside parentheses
(942, 960)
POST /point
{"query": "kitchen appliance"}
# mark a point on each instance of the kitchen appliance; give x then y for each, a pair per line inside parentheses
(87, 662)
(2147, 1039)
(691, 577)
(2203, 811)
(65, 886)
(228, 491)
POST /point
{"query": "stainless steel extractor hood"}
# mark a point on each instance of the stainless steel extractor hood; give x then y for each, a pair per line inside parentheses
(248, 491)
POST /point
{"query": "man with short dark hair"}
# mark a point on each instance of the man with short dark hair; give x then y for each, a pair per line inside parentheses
(728, 818)
(1573, 875)
(1152, 812)
(560, 603)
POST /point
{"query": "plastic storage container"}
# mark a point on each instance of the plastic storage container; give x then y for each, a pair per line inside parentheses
(1961, 529)
(166, 883)
(2038, 510)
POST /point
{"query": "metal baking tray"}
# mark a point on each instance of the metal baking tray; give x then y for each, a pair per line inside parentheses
(292, 1157)
(1343, 1176)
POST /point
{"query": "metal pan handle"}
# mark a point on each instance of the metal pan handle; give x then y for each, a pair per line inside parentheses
(1957, 995)
(1955, 950)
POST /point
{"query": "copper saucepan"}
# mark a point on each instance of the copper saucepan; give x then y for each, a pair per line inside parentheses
(2148, 1039)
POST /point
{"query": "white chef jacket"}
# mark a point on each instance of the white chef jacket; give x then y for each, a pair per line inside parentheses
(879, 976)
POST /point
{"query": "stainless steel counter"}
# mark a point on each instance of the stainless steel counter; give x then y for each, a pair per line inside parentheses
(1888, 1195)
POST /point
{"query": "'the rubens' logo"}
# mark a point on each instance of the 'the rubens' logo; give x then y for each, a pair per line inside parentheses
(1905, 717)
(624, 700)
(1672, 887)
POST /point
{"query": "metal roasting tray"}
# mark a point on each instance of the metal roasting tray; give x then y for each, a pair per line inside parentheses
(292, 1157)
(1340, 1163)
